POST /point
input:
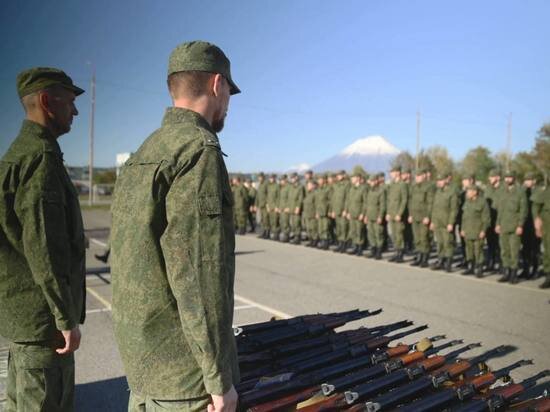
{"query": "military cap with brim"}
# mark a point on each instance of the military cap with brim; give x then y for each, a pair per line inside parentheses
(40, 78)
(442, 176)
(530, 176)
(510, 173)
(472, 187)
(294, 174)
(494, 172)
(201, 56)
(406, 170)
(395, 169)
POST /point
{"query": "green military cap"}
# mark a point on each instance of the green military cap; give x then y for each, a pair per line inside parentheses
(469, 176)
(40, 78)
(283, 177)
(530, 176)
(358, 171)
(261, 174)
(329, 174)
(294, 174)
(325, 175)
(274, 175)
(342, 172)
(510, 173)
(421, 171)
(494, 172)
(396, 169)
(381, 174)
(472, 187)
(309, 172)
(442, 176)
(406, 170)
(203, 57)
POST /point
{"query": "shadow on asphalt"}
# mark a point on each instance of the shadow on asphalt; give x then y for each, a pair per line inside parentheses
(248, 252)
(109, 395)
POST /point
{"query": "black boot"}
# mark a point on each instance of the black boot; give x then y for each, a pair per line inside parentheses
(326, 244)
(359, 250)
(479, 271)
(103, 257)
(267, 234)
(438, 265)
(546, 283)
(424, 260)
(399, 258)
(506, 276)
(378, 255)
(346, 246)
(469, 269)
(417, 260)
(372, 253)
(338, 247)
(449, 265)
(514, 276)
(394, 256)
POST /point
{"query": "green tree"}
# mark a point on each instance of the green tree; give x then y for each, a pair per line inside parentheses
(523, 163)
(404, 159)
(478, 161)
(425, 162)
(439, 157)
(105, 177)
(541, 151)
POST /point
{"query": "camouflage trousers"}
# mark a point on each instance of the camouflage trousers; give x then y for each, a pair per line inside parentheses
(284, 222)
(263, 219)
(296, 224)
(39, 379)
(139, 403)
(357, 231)
(274, 222)
(311, 227)
(323, 227)
(510, 245)
(445, 242)
(397, 234)
(474, 251)
(375, 233)
(241, 217)
(421, 235)
(341, 229)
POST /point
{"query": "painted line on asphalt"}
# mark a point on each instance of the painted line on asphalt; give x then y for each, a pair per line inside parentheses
(244, 307)
(100, 310)
(98, 242)
(99, 298)
(265, 308)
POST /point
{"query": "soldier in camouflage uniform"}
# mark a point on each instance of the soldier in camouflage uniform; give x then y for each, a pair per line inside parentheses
(444, 211)
(322, 204)
(284, 208)
(260, 203)
(467, 181)
(355, 205)
(530, 244)
(42, 258)
(407, 230)
(338, 212)
(329, 187)
(476, 218)
(420, 210)
(375, 212)
(241, 202)
(541, 214)
(296, 202)
(512, 213)
(272, 207)
(309, 214)
(492, 191)
(173, 244)
(397, 198)
(251, 212)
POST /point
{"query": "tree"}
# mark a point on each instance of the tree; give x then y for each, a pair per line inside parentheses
(524, 163)
(105, 177)
(404, 160)
(502, 160)
(541, 151)
(439, 157)
(478, 162)
(425, 162)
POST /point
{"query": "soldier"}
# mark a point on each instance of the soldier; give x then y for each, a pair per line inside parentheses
(173, 247)
(492, 192)
(296, 201)
(338, 212)
(467, 181)
(476, 218)
(355, 205)
(375, 212)
(252, 193)
(42, 258)
(512, 213)
(530, 244)
(420, 210)
(284, 208)
(241, 204)
(309, 214)
(397, 198)
(259, 205)
(329, 187)
(444, 211)
(308, 176)
(272, 207)
(541, 214)
(322, 204)
(407, 230)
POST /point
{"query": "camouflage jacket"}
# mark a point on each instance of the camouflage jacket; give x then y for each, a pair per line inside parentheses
(261, 195)
(296, 197)
(356, 200)
(309, 205)
(375, 206)
(445, 207)
(338, 197)
(42, 254)
(421, 200)
(398, 197)
(173, 263)
(513, 208)
(541, 206)
(272, 196)
(475, 217)
(322, 200)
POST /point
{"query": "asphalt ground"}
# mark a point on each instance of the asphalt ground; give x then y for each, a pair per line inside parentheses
(275, 279)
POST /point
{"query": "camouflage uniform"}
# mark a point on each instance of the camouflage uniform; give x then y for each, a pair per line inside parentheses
(420, 207)
(260, 202)
(322, 204)
(272, 203)
(284, 208)
(337, 207)
(444, 212)
(42, 262)
(355, 204)
(251, 215)
(476, 218)
(541, 210)
(296, 204)
(309, 217)
(240, 196)
(397, 199)
(375, 213)
(493, 248)
(173, 256)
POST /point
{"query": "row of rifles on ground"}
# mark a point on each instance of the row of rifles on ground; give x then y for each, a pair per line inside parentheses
(499, 225)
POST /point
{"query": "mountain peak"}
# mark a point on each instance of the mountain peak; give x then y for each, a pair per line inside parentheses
(370, 145)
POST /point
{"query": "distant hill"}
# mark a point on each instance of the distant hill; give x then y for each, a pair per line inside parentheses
(373, 153)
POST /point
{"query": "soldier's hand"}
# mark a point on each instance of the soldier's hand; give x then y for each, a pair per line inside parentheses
(497, 229)
(379, 220)
(426, 220)
(432, 226)
(519, 230)
(72, 341)
(225, 403)
(397, 218)
(538, 232)
(482, 234)
(410, 219)
(450, 228)
(388, 217)
(462, 233)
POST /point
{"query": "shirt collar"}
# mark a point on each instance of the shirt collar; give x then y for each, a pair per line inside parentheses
(30, 128)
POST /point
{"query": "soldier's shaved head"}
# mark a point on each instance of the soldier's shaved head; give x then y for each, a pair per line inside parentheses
(191, 84)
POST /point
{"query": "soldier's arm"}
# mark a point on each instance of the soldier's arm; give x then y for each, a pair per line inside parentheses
(383, 204)
(40, 209)
(430, 200)
(453, 211)
(404, 198)
(485, 215)
(523, 209)
(193, 246)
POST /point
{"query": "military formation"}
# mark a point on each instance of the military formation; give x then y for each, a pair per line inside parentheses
(496, 226)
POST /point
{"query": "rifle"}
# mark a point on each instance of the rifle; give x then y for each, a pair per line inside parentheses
(499, 398)
(462, 391)
(430, 381)
(299, 380)
(539, 404)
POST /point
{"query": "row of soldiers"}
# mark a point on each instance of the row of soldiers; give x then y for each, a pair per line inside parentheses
(363, 211)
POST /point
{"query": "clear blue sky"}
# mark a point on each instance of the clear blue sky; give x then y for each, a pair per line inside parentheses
(315, 74)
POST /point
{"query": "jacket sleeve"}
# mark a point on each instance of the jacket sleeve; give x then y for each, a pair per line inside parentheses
(430, 193)
(40, 207)
(404, 199)
(383, 204)
(485, 215)
(194, 247)
(453, 208)
(523, 208)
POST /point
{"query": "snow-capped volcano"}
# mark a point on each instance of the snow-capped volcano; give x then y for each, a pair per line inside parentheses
(373, 153)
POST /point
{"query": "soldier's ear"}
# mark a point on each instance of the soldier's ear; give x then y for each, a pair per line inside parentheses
(44, 102)
(218, 84)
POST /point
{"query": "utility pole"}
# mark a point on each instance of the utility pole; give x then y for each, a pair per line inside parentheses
(417, 139)
(509, 142)
(91, 154)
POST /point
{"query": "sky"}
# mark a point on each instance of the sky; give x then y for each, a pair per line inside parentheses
(315, 75)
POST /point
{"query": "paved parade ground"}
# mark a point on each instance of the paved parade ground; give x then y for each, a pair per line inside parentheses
(275, 279)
